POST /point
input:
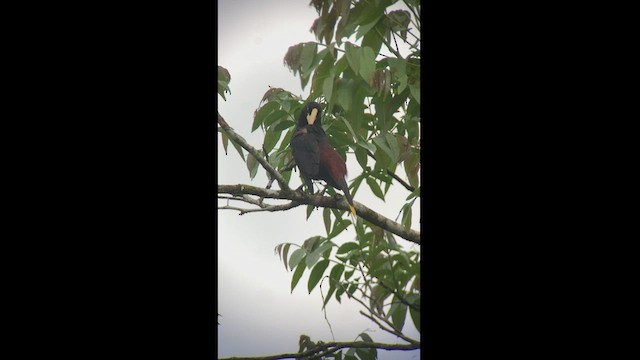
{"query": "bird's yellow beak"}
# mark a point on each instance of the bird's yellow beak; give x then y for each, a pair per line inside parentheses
(311, 118)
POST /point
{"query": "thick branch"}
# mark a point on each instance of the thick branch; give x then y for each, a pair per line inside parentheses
(331, 347)
(245, 145)
(325, 202)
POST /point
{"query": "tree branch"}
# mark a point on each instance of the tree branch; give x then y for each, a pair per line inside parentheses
(325, 202)
(331, 347)
(242, 142)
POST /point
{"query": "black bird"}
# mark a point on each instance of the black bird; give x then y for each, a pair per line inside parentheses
(315, 158)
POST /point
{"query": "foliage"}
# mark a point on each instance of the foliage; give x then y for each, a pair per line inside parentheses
(372, 96)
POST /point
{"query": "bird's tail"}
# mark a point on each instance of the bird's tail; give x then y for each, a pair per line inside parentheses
(350, 201)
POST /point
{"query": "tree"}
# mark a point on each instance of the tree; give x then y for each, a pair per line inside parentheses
(365, 66)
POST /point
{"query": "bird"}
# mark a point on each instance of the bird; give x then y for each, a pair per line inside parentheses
(315, 157)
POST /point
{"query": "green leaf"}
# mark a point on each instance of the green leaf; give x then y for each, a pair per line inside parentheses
(352, 289)
(415, 91)
(340, 66)
(399, 315)
(339, 227)
(340, 289)
(310, 210)
(359, 225)
(362, 157)
(297, 275)
(366, 145)
(392, 142)
(412, 167)
(373, 38)
(283, 125)
(332, 289)
(356, 184)
(252, 165)
(314, 256)
(275, 158)
(225, 142)
(346, 247)
(309, 51)
(287, 140)
(262, 114)
(327, 87)
(406, 217)
(327, 252)
(367, 63)
(296, 257)
(353, 56)
(322, 72)
(336, 273)
(223, 81)
(415, 315)
(346, 122)
(271, 139)
(276, 115)
(316, 274)
(312, 243)
(285, 252)
(382, 144)
(366, 354)
(414, 194)
(391, 241)
(365, 337)
(365, 28)
(326, 214)
(348, 274)
(238, 149)
(307, 61)
(344, 92)
(375, 188)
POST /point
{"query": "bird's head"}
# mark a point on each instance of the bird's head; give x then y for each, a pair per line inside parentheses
(310, 115)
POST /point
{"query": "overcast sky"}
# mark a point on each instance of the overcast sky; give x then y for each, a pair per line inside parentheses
(260, 315)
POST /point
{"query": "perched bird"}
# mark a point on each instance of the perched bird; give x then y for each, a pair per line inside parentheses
(315, 158)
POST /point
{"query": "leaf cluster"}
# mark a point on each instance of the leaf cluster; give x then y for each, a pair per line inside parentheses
(374, 267)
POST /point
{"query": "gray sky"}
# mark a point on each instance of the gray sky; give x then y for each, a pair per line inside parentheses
(260, 315)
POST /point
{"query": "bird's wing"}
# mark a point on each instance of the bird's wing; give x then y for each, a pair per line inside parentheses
(304, 148)
(334, 166)
(334, 171)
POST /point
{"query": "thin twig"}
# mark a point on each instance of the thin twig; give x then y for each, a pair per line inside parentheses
(324, 309)
(393, 175)
(270, 208)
